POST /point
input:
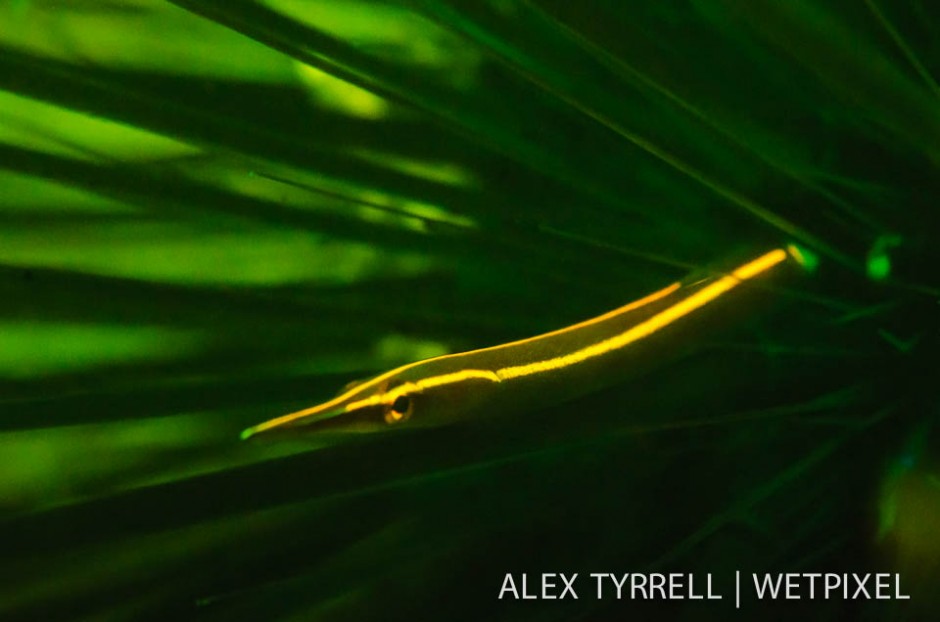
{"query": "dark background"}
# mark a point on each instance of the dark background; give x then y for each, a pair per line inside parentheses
(213, 213)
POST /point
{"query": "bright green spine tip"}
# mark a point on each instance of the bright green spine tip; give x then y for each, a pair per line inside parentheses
(879, 267)
(803, 256)
(879, 264)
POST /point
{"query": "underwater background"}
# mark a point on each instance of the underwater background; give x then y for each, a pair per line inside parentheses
(216, 212)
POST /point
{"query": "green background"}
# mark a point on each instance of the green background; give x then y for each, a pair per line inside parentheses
(212, 213)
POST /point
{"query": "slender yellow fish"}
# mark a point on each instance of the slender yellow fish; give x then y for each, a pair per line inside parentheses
(524, 374)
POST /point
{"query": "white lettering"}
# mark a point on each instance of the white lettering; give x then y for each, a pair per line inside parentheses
(792, 581)
(897, 589)
(675, 583)
(812, 576)
(711, 595)
(546, 584)
(881, 582)
(766, 585)
(638, 582)
(860, 582)
(619, 585)
(508, 586)
(658, 583)
(569, 585)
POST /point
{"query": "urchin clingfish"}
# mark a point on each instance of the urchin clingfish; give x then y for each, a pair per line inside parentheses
(521, 375)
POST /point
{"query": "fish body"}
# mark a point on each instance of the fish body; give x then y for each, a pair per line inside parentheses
(529, 373)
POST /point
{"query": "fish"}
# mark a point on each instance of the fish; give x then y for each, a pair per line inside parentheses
(521, 375)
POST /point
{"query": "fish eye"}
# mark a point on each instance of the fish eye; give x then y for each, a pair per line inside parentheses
(402, 404)
(400, 409)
